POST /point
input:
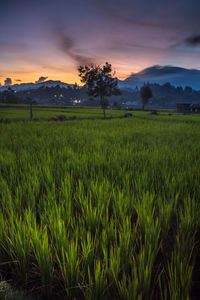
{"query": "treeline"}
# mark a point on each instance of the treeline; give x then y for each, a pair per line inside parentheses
(168, 95)
(44, 95)
(165, 95)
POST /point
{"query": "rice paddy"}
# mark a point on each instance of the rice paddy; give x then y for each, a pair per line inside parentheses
(101, 209)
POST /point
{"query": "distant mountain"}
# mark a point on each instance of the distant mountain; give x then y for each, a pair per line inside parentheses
(161, 74)
(29, 86)
(176, 76)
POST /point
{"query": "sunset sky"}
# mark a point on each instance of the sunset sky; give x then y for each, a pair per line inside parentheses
(46, 38)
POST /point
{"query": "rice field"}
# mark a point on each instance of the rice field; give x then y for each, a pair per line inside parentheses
(21, 112)
(101, 209)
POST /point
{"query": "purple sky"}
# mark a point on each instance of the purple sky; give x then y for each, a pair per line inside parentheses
(46, 38)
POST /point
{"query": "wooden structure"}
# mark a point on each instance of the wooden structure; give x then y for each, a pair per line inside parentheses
(183, 107)
(195, 108)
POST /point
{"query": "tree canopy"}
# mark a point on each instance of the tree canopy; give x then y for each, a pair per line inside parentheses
(100, 82)
(146, 94)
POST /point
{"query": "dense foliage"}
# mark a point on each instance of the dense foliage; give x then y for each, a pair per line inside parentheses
(100, 82)
(165, 95)
(145, 94)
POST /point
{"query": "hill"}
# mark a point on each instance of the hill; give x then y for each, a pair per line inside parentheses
(157, 74)
(29, 86)
(161, 74)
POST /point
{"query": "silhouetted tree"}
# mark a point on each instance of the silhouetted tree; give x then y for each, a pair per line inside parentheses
(188, 90)
(179, 90)
(146, 94)
(100, 82)
(9, 96)
(30, 102)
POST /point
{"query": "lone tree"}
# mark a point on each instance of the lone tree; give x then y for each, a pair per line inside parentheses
(146, 94)
(30, 102)
(100, 82)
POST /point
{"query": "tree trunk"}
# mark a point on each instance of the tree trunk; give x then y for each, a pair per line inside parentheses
(104, 113)
(103, 106)
(31, 112)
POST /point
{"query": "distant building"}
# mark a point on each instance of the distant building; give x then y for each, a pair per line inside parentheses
(195, 108)
(187, 107)
(183, 107)
(129, 104)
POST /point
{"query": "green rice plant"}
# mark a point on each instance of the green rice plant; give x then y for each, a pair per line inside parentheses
(148, 223)
(139, 285)
(114, 268)
(65, 199)
(88, 245)
(166, 210)
(150, 244)
(58, 233)
(44, 261)
(6, 203)
(97, 282)
(109, 234)
(17, 243)
(180, 277)
(121, 205)
(145, 209)
(189, 216)
(3, 234)
(180, 268)
(145, 261)
(128, 286)
(128, 240)
(92, 215)
(68, 263)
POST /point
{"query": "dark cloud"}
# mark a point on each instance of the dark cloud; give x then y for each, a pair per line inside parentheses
(41, 79)
(128, 13)
(144, 14)
(18, 80)
(8, 81)
(193, 41)
(67, 45)
(131, 34)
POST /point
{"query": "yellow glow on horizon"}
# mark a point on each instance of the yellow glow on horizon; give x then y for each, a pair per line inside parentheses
(32, 78)
(70, 77)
